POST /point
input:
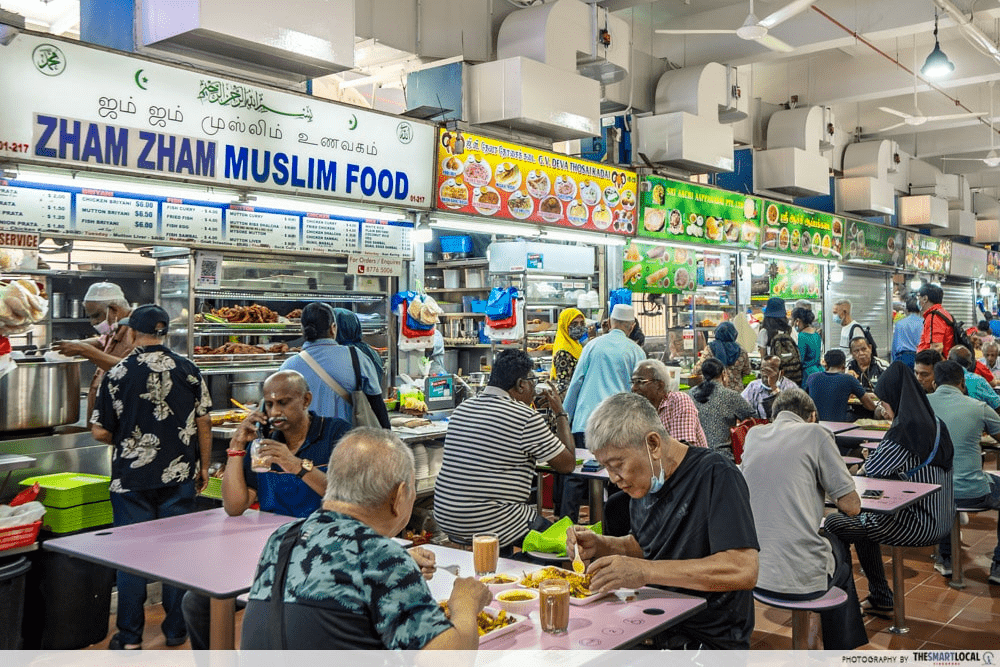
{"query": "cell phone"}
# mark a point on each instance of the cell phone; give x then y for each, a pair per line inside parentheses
(593, 465)
(872, 494)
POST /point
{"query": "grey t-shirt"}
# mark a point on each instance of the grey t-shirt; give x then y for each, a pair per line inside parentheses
(790, 466)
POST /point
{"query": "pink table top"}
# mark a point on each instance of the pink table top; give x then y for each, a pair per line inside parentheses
(872, 444)
(837, 427)
(208, 552)
(861, 434)
(604, 624)
(897, 494)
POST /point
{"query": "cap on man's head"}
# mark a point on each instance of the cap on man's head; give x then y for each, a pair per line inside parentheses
(145, 319)
(623, 313)
(102, 292)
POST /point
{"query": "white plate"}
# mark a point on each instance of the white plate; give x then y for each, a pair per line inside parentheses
(521, 212)
(486, 208)
(477, 171)
(576, 602)
(555, 558)
(519, 623)
(565, 187)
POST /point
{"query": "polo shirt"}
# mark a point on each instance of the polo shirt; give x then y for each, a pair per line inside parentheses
(966, 419)
(936, 330)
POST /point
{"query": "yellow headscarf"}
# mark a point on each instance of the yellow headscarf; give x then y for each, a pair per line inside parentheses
(563, 341)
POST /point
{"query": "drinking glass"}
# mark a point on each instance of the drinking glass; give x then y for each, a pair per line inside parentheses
(553, 606)
(258, 463)
(485, 553)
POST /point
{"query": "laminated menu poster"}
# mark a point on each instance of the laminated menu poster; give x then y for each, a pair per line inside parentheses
(657, 269)
(693, 213)
(927, 253)
(868, 243)
(795, 280)
(796, 231)
(482, 176)
(993, 265)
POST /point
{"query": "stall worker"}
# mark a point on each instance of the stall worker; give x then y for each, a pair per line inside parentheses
(152, 408)
(677, 411)
(566, 349)
(760, 394)
(691, 528)
(346, 584)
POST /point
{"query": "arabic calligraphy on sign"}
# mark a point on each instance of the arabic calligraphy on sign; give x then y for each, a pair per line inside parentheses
(238, 96)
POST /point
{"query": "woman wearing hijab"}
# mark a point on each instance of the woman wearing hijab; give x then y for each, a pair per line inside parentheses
(566, 349)
(733, 357)
(349, 334)
(916, 448)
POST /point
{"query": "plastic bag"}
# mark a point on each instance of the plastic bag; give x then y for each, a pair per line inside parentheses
(22, 515)
(512, 333)
(500, 305)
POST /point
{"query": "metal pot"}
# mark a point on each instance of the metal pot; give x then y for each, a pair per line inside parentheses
(246, 391)
(40, 394)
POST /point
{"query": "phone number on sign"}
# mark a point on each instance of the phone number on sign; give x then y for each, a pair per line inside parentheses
(14, 147)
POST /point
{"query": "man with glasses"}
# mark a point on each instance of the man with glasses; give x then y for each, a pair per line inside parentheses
(677, 410)
(490, 452)
(760, 394)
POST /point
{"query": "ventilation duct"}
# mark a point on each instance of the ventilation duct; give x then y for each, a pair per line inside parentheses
(865, 188)
(961, 219)
(923, 211)
(793, 163)
(987, 212)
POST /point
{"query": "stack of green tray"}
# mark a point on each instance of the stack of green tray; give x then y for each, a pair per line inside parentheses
(74, 500)
(214, 488)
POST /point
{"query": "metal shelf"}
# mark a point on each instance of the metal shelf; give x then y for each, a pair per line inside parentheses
(234, 295)
(458, 263)
(224, 331)
(225, 370)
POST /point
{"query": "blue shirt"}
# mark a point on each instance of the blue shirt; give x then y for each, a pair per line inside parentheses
(830, 391)
(995, 327)
(604, 369)
(981, 390)
(966, 419)
(906, 334)
(335, 359)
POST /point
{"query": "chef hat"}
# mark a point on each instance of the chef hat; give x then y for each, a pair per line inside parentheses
(104, 292)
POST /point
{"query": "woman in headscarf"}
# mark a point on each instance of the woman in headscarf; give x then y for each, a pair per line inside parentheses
(566, 349)
(733, 357)
(349, 334)
(916, 448)
(719, 408)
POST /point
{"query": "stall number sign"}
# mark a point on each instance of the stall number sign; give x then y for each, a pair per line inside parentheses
(374, 265)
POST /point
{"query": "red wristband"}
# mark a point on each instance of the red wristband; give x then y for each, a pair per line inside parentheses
(236, 452)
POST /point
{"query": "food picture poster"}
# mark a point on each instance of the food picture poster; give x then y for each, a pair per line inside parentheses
(865, 242)
(992, 265)
(795, 231)
(927, 253)
(657, 269)
(482, 176)
(796, 280)
(691, 213)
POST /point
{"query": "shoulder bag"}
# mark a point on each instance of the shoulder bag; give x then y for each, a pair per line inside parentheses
(363, 413)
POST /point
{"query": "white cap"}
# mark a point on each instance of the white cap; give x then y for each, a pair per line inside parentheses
(623, 313)
(103, 292)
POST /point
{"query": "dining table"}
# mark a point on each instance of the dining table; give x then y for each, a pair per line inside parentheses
(837, 427)
(595, 480)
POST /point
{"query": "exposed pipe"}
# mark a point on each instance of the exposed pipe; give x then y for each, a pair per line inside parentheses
(972, 33)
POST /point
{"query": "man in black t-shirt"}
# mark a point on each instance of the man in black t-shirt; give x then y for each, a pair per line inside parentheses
(691, 526)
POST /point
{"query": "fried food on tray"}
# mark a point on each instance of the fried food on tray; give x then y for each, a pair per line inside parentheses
(255, 314)
(228, 417)
(486, 622)
(230, 348)
(295, 314)
(579, 584)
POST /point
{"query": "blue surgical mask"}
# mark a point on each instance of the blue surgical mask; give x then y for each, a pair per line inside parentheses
(655, 483)
(837, 320)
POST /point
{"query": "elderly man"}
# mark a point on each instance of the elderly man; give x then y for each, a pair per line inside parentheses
(153, 409)
(849, 328)
(296, 454)
(975, 385)
(678, 413)
(831, 389)
(691, 526)
(966, 419)
(106, 307)
(796, 561)
(937, 333)
(493, 443)
(923, 367)
(991, 358)
(760, 394)
(344, 584)
(604, 369)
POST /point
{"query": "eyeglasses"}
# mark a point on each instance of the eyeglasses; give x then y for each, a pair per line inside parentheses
(642, 381)
(533, 379)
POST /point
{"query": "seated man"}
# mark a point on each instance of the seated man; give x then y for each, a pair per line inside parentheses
(966, 419)
(294, 486)
(678, 413)
(796, 561)
(760, 394)
(991, 358)
(490, 452)
(975, 385)
(923, 368)
(691, 526)
(344, 584)
(831, 389)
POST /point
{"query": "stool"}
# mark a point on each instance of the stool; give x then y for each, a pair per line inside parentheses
(957, 578)
(833, 598)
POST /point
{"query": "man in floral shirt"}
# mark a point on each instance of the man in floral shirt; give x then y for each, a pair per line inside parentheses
(152, 408)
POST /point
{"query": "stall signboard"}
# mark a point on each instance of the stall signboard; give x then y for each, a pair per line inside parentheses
(992, 265)
(658, 269)
(797, 231)
(18, 250)
(796, 280)
(374, 265)
(135, 218)
(968, 261)
(487, 177)
(692, 213)
(927, 253)
(74, 106)
(868, 243)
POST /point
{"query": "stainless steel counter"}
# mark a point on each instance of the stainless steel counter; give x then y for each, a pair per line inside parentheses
(67, 449)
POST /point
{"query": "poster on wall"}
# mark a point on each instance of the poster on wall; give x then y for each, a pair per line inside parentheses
(657, 269)
(927, 253)
(992, 265)
(795, 280)
(487, 177)
(692, 213)
(868, 243)
(796, 231)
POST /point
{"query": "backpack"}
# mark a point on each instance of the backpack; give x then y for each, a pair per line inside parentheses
(784, 347)
(957, 330)
(867, 333)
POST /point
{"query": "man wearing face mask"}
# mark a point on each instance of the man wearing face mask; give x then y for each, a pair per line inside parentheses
(849, 328)
(106, 308)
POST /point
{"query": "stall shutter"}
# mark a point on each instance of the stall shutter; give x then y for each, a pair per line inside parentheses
(867, 292)
(960, 301)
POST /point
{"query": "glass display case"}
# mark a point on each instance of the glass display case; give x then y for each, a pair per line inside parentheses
(691, 319)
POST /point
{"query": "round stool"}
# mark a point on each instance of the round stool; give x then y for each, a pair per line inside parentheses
(833, 598)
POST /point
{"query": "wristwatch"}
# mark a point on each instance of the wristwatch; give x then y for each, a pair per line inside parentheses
(307, 466)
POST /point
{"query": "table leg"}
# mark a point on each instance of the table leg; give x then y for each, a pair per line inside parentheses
(222, 612)
(957, 577)
(596, 500)
(539, 497)
(898, 626)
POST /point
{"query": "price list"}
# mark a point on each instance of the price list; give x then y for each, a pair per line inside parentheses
(114, 217)
(321, 233)
(184, 221)
(391, 240)
(247, 227)
(30, 209)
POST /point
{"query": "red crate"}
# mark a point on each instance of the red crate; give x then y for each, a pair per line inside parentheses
(19, 536)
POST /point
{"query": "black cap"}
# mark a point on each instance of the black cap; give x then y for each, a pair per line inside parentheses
(145, 319)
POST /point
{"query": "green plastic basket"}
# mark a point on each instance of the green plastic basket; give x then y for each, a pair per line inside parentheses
(71, 519)
(214, 488)
(69, 489)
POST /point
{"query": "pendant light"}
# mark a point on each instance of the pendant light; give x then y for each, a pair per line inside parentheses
(937, 64)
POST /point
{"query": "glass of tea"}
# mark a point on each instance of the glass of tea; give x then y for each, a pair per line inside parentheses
(553, 606)
(485, 553)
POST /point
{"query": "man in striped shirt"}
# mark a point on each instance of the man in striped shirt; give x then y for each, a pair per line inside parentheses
(494, 441)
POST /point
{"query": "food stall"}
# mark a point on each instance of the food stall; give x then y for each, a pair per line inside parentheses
(961, 287)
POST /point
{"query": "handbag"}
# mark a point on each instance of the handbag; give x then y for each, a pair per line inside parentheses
(738, 435)
(358, 400)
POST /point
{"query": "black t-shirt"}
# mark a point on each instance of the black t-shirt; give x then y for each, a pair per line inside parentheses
(703, 509)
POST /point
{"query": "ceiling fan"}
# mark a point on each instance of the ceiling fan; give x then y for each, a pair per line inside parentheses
(992, 159)
(919, 118)
(754, 29)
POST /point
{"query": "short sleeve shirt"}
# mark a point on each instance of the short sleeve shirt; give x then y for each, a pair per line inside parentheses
(830, 391)
(347, 587)
(679, 415)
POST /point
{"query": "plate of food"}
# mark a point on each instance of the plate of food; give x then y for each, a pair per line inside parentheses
(676, 224)
(486, 200)
(749, 209)
(590, 193)
(658, 195)
(500, 581)
(550, 209)
(682, 278)
(611, 195)
(520, 205)
(477, 171)
(452, 166)
(806, 242)
(713, 229)
(508, 176)
(827, 244)
(654, 219)
(628, 200)
(772, 214)
(623, 221)
(796, 238)
(601, 216)
(659, 278)
(783, 238)
(453, 193)
(577, 213)
(565, 187)
(579, 591)
(494, 622)
(538, 183)
(732, 231)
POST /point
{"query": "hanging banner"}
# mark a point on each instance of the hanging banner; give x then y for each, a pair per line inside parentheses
(868, 243)
(927, 253)
(657, 269)
(480, 176)
(795, 280)
(797, 231)
(692, 213)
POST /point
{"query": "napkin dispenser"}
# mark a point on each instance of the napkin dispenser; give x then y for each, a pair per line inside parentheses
(439, 392)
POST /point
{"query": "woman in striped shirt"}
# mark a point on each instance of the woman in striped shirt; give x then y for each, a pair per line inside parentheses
(916, 448)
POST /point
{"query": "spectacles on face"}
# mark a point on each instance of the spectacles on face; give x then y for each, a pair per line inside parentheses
(641, 381)
(533, 379)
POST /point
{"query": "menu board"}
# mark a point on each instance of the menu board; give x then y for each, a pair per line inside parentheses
(192, 222)
(691, 213)
(796, 280)
(386, 238)
(869, 243)
(927, 253)
(252, 227)
(796, 231)
(105, 214)
(487, 177)
(330, 233)
(34, 209)
(992, 265)
(657, 269)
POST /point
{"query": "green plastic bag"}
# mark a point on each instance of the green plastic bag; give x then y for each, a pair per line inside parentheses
(553, 540)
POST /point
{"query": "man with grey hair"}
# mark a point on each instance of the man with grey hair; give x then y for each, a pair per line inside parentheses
(106, 308)
(341, 580)
(798, 562)
(690, 522)
(991, 358)
(677, 411)
(849, 328)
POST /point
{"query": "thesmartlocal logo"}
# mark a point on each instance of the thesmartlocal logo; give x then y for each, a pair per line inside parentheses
(942, 658)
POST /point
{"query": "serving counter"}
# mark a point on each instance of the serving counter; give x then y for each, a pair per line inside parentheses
(61, 449)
